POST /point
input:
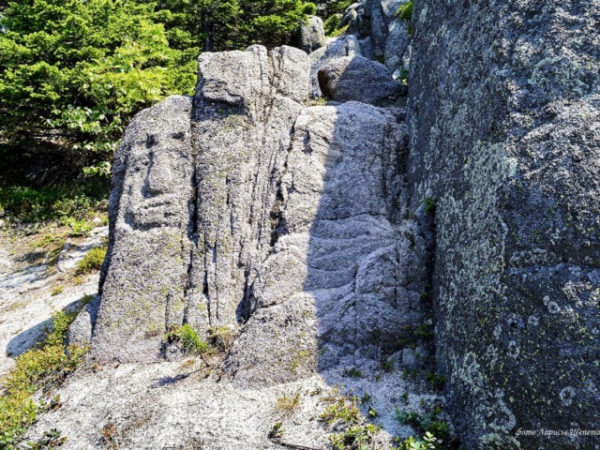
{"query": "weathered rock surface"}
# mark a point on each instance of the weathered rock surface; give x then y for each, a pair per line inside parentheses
(388, 36)
(504, 121)
(242, 127)
(311, 35)
(344, 46)
(150, 211)
(345, 272)
(358, 79)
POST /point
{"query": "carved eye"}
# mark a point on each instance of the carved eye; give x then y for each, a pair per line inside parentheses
(151, 141)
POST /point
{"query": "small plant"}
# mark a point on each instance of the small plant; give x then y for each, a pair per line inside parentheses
(57, 290)
(366, 398)
(316, 101)
(50, 439)
(353, 373)
(429, 424)
(372, 413)
(404, 397)
(331, 24)
(387, 366)
(80, 227)
(191, 342)
(405, 13)
(428, 442)
(222, 338)
(109, 438)
(412, 336)
(92, 260)
(403, 78)
(288, 405)
(437, 381)
(277, 431)
(340, 31)
(357, 437)
(341, 410)
(430, 205)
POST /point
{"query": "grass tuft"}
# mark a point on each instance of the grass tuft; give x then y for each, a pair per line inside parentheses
(41, 368)
(93, 260)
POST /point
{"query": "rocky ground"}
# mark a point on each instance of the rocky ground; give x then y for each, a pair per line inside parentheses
(32, 287)
(183, 404)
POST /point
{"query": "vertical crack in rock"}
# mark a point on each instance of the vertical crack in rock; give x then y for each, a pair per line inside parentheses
(242, 124)
(331, 281)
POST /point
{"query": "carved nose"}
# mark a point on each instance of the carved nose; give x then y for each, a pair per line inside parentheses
(159, 175)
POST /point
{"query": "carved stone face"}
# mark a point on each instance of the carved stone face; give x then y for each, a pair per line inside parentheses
(158, 181)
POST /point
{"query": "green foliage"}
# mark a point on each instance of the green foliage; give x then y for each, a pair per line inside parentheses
(92, 260)
(340, 31)
(430, 205)
(431, 427)
(191, 342)
(341, 410)
(338, 7)
(73, 72)
(42, 367)
(353, 372)
(62, 203)
(277, 431)
(412, 336)
(217, 25)
(405, 12)
(437, 381)
(331, 24)
(357, 437)
(428, 442)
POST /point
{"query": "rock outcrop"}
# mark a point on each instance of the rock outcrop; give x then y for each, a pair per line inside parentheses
(245, 207)
(319, 233)
(504, 113)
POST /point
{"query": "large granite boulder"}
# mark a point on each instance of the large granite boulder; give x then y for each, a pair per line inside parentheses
(504, 114)
(346, 271)
(358, 79)
(247, 103)
(192, 193)
(151, 211)
(339, 48)
(310, 35)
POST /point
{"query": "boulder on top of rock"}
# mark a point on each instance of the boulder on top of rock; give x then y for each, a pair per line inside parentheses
(310, 35)
(344, 46)
(358, 79)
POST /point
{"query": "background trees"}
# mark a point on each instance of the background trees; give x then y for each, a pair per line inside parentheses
(73, 72)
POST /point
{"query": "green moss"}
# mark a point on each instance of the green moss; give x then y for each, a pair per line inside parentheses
(93, 260)
(43, 367)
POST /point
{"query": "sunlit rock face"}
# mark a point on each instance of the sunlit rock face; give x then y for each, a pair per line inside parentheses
(251, 210)
(504, 114)
(150, 214)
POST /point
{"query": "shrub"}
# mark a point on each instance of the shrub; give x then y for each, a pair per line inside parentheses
(93, 260)
(191, 342)
(43, 367)
(331, 24)
(357, 437)
(405, 12)
(62, 203)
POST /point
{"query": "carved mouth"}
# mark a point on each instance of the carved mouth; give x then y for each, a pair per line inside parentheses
(155, 211)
